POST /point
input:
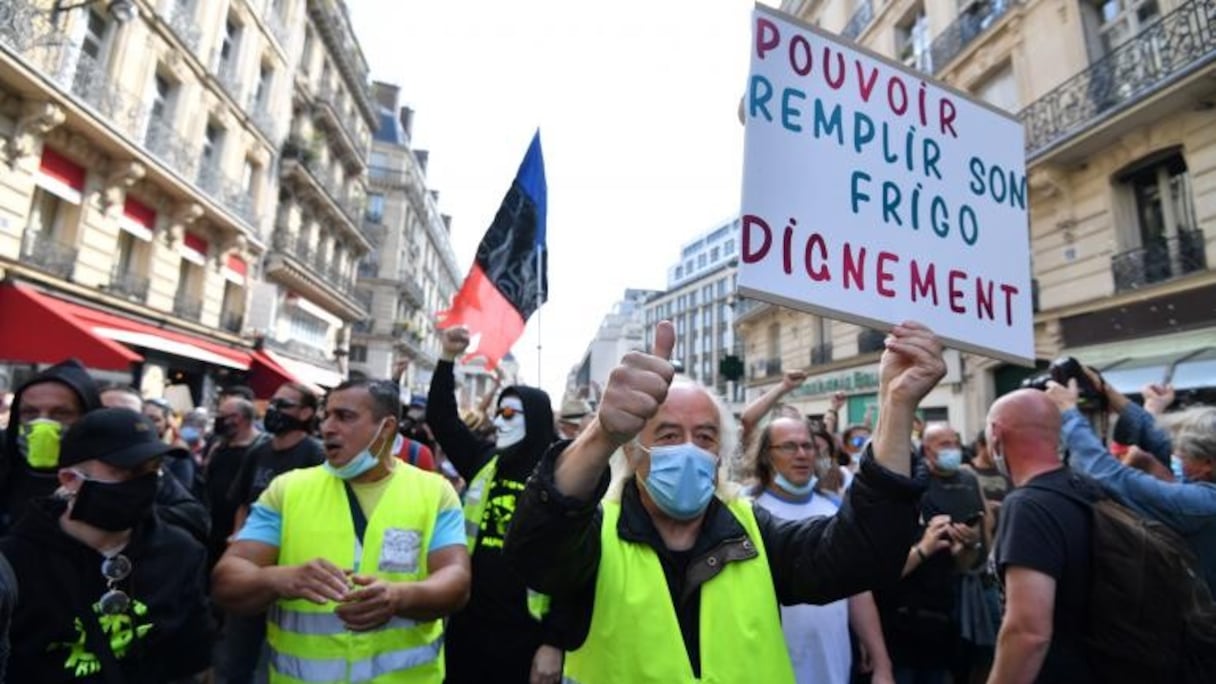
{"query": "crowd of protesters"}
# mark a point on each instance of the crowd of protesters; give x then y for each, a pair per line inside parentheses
(650, 535)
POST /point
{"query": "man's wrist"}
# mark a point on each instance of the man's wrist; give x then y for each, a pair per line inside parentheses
(445, 356)
(400, 596)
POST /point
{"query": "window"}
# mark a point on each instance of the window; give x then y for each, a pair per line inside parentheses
(308, 329)
(721, 285)
(125, 260)
(729, 247)
(679, 271)
(248, 173)
(261, 92)
(714, 254)
(213, 138)
(161, 99)
(999, 89)
(91, 58)
(700, 261)
(912, 40)
(46, 214)
(1165, 236)
(358, 353)
(375, 207)
(1123, 19)
(692, 299)
(229, 47)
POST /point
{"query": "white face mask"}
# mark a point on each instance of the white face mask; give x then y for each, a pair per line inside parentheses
(511, 430)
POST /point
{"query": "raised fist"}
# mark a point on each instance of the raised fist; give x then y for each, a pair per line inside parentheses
(454, 341)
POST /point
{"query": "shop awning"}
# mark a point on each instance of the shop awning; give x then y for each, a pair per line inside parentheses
(138, 334)
(1196, 370)
(266, 375)
(308, 373)
(1129, 376)
(42, 329)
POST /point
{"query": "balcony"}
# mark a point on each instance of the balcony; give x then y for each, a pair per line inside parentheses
(335, 29)
(412, 290)
(369, 268)
(1157, 262)
(339, 122)
(188, 307)
(859, 21)
(298, 162)
(185, 26)
(130, 285)
(264, 121)
(228, 76)
(1168, 51)
(821, 354)
(232, 321)
(977, 17)
(48, 255)
(766, 368)
(226, 192)
(301, 267)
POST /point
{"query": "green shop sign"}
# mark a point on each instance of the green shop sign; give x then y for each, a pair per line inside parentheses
(852, 380)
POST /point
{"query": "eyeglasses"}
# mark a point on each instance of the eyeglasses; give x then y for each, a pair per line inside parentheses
(284, 403)
(507, 413)
(115, 569)
(792, 448)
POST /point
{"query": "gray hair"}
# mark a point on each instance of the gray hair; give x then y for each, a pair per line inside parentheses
(1194, 431)
(728, 447)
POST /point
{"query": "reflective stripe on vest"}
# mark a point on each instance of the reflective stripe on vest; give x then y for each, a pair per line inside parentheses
(366, 670)
(321, 623)
(475, 499)
(308, 642)
(635, 634)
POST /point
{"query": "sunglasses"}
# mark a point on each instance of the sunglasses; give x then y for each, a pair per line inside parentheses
(115, 569)
(284, 403)
(507, 413)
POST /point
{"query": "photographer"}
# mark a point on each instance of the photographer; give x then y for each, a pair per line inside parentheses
(1188, 506)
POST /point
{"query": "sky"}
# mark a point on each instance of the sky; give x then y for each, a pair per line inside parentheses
(637, 107)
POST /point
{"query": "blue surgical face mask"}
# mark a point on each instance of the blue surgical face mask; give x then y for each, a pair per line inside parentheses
(793, 489)
(949, 460)
(1176, 468)
(191, 434)
(360, 464)
(681, 479)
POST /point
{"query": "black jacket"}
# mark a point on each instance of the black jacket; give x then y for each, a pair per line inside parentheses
(494, 637)
(555, 542)
(19, 482)
(60, 578)
(177, 506)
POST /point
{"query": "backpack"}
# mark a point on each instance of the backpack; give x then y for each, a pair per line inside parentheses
(1151, 617)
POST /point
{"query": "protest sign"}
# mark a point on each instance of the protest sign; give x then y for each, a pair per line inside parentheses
(875, 195)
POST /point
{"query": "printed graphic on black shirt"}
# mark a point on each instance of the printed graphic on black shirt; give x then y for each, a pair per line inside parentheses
(122, 631)
(498, 513)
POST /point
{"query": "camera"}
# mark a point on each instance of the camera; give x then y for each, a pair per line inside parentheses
(1063, 369)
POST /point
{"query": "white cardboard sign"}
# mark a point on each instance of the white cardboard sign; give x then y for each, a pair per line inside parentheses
(875, 195)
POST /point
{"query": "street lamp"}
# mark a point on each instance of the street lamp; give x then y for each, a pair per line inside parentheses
(122, 10)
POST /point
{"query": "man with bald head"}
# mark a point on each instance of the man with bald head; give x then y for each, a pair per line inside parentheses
(1042, 547)
(673, 577)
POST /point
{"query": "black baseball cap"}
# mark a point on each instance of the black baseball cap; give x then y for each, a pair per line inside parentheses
(117, 436)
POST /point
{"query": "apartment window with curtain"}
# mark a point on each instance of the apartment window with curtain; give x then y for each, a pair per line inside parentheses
(912, 41)
(1163, 237)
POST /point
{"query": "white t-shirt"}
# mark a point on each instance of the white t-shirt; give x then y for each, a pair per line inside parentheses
(816, 636)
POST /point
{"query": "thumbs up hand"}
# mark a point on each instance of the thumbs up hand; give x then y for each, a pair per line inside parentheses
(637, 387)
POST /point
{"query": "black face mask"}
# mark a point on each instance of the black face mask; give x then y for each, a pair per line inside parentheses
(276, 422)
(115, 506)
(225, 427)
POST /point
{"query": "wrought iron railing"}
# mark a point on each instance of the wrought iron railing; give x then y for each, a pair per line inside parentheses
(226, 192)
(264, 121)
(335, 29)
(49, 255)
(413, 291)
(232, 321)
(86, 79)
(324, 181)
(342, 118)
(187, 306)
(859, 21)
(1166, 50)
(1161, 260)
(821, 353)
(130, 285)
(976, 18)
(184, 25)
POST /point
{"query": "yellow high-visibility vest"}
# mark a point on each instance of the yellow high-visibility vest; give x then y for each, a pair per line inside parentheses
(635, 634)
(308, 642)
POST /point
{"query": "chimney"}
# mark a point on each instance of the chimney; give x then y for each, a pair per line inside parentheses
(421, 157)
(406, 117)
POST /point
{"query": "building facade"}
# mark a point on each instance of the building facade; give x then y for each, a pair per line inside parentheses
(698, 301)
(139, 143)
(307, 305)
(1116, 100)
(623, 330)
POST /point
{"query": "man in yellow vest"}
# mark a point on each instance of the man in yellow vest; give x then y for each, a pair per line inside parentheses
(675, 584)
(358, 560)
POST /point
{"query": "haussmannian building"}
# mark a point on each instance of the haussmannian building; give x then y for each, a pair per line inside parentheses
(1118, 103)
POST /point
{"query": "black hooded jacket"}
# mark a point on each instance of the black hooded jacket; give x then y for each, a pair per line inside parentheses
(494, 637)
(168, 632)
(19, 482)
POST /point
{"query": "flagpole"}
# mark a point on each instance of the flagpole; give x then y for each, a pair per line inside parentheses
(540, 287)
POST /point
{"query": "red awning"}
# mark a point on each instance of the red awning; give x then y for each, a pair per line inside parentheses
(42, 329)
(137, 334)
(266, 375)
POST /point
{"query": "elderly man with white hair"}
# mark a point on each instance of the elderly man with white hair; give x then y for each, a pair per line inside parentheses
(672, 577)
